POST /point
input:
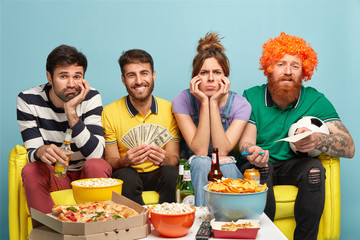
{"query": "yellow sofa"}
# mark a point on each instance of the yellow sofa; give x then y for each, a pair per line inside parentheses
(285, 195)
(20, 223)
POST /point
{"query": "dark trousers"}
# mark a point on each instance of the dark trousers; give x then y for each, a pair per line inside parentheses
(162, 180)
(309, 203)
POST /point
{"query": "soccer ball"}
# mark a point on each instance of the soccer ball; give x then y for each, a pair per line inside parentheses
(312, 123)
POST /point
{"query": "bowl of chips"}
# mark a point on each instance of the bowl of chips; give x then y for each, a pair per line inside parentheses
(172, 219)
(95, 189)
(233, 199)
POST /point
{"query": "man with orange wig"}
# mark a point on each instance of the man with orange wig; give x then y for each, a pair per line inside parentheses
(286, 62)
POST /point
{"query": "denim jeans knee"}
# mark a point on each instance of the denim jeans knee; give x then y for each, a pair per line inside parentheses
(230, 170)
(200, 167)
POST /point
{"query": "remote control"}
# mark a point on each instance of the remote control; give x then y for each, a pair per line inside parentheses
(204, 231)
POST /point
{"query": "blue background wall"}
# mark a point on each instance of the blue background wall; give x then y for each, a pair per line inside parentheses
(169, 31)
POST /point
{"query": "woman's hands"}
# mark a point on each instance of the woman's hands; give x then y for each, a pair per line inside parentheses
(224, 86)
(223, 90)
(194, 89)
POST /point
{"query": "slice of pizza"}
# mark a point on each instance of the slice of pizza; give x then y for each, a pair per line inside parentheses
(69, 213)
(121, 210)
(64, 208)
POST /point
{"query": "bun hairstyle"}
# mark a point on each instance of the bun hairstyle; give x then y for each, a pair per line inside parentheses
(209, 47)
(211, 40)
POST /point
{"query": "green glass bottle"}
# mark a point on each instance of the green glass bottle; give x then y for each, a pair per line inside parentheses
(179, 180)
(187, 193)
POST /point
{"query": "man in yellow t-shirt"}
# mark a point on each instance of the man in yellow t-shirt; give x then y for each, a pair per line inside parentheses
(145, 167)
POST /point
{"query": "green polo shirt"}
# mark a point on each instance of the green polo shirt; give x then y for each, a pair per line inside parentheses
(272, 123)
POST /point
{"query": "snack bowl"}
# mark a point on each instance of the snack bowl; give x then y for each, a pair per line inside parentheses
(233, 206)
(249, 232)
(172, 225)
(95, 189)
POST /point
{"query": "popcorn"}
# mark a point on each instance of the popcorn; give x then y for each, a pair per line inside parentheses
(172, 208)
(96, 182)
(204, 214)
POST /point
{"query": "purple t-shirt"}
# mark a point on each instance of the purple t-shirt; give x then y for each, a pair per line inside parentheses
(241, 108)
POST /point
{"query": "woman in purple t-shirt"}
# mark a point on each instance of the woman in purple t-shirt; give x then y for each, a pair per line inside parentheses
(208, 115)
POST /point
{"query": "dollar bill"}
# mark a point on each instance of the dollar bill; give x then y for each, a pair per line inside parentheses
(150, 132)
(126, 142)
(146, 133)
(156, 132)
(161, 139)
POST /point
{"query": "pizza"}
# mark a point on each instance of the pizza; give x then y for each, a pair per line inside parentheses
(93, 212)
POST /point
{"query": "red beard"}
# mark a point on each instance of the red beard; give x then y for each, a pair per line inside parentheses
(287, 93)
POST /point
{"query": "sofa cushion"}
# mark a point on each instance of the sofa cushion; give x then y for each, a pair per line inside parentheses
(285, 196)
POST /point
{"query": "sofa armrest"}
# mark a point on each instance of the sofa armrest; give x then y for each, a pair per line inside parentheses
(331, 219)
(18, 215)
(285, 195)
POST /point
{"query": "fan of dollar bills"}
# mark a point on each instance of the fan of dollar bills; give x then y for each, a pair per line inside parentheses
(146, 133)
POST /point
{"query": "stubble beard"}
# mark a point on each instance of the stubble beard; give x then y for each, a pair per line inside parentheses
(138, 97)
(287, 93)
(66, 97)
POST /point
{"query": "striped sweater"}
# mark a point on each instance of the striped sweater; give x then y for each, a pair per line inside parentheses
(41, 123)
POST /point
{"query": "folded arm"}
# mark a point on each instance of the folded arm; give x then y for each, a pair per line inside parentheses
(225, 140)
(197, 138)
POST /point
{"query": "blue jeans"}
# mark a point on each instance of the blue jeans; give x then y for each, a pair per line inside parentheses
(200, 167)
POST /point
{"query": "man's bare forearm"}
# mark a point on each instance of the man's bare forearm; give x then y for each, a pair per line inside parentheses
(337, 145)
(245, 146)
(117, 163)
(171, 159)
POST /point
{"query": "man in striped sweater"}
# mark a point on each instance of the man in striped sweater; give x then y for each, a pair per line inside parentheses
(45, 112)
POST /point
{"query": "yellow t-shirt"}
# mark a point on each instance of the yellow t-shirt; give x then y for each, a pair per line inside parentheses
(120, 116)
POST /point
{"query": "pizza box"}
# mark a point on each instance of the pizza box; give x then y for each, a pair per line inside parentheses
(45, 233)
(240, 233)
(76, 228)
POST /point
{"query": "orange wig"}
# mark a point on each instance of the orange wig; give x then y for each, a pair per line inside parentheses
(275, 49)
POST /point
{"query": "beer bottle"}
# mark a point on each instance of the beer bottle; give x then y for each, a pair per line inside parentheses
(60, 169)
(215, 172)
(179, 180)
(187, 193)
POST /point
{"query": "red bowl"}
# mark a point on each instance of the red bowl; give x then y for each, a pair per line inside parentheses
(171, 225)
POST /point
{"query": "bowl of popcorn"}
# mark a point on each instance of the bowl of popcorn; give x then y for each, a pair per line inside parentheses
(232, 199)
(172, 219)
(95, 189)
